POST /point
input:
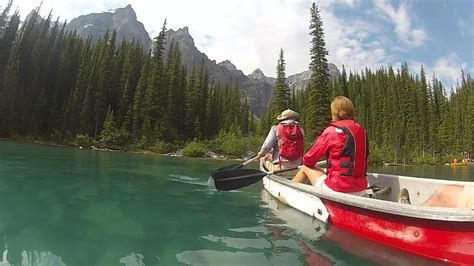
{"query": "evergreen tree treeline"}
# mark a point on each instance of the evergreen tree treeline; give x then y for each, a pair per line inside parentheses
(55, 85)
(408, 118)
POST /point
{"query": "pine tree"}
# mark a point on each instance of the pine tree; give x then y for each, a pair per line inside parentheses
(138, 100)
(4, 16)
(202, 90)
(110, 135)
(7, 38)
(105, 82)
(317, 111)
(192, 104)
(281, 94)
(176, 104)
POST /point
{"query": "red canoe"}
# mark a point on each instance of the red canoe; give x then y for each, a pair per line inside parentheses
(441, 234)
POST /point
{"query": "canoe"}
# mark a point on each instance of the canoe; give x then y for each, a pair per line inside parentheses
(290, 221)
(459, 164)
(441, 234)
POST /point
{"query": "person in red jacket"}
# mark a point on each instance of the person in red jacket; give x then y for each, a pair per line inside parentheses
(344, 142)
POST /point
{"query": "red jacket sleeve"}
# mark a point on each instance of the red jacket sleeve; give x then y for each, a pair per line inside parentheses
(319, 149)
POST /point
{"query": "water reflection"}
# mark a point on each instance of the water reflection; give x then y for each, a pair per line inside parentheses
(40, 258)
(188, 180)
(213, 257)
(291, 221)
(133, 259)
(281, 238)
(33, 258)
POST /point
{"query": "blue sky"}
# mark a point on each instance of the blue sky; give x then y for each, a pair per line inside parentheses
(438, 34)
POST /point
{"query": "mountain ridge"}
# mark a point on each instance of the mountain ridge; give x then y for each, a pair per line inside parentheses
(255, 87)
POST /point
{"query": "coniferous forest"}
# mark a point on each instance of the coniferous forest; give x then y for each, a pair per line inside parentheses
(60, 88)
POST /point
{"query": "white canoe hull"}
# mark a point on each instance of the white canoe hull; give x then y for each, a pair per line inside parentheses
(304, 202)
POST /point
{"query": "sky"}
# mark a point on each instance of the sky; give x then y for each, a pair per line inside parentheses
(438, 34)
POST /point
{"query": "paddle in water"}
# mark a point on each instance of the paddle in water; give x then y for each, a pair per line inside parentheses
(239, 178)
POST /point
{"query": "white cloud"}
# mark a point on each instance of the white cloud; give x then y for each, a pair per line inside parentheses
(67, 9)
(402, 21)
(349, 43)
(248, 33)
(448, 69)
(251, 33)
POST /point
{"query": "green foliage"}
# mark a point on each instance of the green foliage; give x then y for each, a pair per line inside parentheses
(162, 147)
(83, 140)
(234, 145)
(378, 154)
(111, 137)
(53, 82)
(195, 149)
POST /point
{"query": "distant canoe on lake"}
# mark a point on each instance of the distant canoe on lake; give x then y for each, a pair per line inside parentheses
(459, 164)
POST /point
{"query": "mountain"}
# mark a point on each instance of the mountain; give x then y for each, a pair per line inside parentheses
(256, 87)
(300, 81)
(123, 20)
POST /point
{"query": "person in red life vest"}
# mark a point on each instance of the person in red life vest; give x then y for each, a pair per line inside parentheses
(344, 142)
(284, 145)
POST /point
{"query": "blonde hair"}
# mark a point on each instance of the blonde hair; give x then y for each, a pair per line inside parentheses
(342, 108)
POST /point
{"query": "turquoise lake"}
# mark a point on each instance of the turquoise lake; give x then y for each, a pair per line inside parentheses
(65, 206)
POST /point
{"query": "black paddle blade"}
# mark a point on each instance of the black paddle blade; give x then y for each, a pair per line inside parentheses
(237, 178)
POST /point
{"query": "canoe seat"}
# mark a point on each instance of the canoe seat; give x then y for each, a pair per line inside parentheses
(375, 192)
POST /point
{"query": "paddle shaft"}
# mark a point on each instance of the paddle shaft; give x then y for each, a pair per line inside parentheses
(262, 174)
(237, 166)
(251, 160)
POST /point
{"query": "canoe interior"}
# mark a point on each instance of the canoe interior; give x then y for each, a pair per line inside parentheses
(419, 189)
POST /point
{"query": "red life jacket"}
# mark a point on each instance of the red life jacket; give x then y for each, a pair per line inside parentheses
(290, 141)
(353, 159)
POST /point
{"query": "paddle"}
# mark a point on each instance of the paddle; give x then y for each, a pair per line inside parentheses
(239, 178)
(236, 166)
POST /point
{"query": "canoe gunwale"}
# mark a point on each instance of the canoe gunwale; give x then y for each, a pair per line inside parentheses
(393, 208)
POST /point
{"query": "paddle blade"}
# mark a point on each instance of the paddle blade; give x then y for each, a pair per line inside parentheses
(237, 178)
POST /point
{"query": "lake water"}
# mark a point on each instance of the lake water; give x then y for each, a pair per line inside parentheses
(64, 206)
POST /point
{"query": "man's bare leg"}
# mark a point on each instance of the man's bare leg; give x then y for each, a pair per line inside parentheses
(445, 196)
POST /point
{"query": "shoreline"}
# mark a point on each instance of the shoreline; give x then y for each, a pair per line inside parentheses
(178, 153)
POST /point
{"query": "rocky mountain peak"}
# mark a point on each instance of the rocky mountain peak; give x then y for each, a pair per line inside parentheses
(122, 20)
(227, 64)
(126, 12)
(181, 36)
(257, 74)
